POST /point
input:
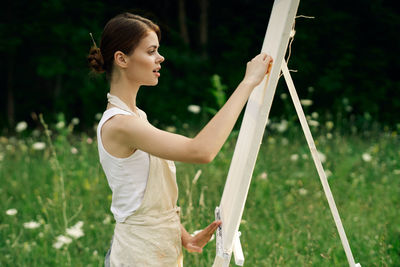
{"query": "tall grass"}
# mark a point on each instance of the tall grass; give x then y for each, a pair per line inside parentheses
(286, 221)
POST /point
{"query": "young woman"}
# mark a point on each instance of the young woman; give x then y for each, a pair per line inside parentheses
(137, 158)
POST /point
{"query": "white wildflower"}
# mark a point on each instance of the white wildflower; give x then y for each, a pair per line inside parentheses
(194, 109)
(329, 125)
(21, 126)
(263, 176)
(76, 230)
(313, 123)
(396, 171)
(322, 157)
(75, 121)
(98, 116)
(329, 135)
(39, 146)
(11, 212)
(306, 102)
(303, 191)
(31, 225)
(328, 173)
(294, 157)
(366, 157)
(283, 96)
(314, 115)
(74, 150)
(61, 240)
(60, 125)
(89, 140)
(282, 126)
(107, 219)
(171, 129)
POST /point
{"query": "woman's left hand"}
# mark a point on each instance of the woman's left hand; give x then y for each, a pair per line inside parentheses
(197, 242)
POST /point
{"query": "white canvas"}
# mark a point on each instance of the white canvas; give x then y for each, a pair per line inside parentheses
(253, 125)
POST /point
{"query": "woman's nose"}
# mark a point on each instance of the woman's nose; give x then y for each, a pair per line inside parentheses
(160, 58)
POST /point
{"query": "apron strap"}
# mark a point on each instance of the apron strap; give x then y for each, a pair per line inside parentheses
(116, 101)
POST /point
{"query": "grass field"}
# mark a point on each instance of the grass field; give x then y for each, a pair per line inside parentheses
(54, 207)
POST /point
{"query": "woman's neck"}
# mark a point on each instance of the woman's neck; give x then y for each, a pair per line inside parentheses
(126, 92)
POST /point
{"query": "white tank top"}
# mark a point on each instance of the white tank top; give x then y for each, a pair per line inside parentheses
(127, 177)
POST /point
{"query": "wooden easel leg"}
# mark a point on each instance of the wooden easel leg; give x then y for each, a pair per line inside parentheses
(318, 165)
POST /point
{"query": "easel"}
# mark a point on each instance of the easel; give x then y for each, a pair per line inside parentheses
(252, 129)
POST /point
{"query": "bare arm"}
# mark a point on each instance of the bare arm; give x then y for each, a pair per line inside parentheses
(204, 147)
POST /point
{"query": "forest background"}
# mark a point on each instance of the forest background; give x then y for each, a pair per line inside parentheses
(345, 57)
(55, 199)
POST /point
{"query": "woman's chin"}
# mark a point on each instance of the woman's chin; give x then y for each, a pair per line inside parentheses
(155, 82)
(152, 83)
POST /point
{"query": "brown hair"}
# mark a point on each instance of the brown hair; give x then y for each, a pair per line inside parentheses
(122, 33)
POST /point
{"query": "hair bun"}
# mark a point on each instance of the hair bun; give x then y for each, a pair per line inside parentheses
(95, 60)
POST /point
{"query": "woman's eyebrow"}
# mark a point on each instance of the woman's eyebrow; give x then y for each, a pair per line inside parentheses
(153, 46)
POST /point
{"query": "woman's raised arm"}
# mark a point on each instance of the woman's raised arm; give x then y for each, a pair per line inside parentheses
(138, 134)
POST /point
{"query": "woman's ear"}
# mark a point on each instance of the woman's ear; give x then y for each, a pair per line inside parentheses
(120, 59)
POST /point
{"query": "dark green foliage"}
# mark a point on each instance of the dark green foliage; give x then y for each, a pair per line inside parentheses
(348, 51)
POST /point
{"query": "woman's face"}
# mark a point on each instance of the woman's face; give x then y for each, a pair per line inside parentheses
(145, 61)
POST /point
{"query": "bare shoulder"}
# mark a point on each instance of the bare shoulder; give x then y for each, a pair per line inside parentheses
(120, 125)
(116, 133)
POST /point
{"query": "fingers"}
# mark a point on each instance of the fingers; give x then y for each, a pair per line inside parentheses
(263, 57)
(267, 59)
(212, 227)
(206, 233)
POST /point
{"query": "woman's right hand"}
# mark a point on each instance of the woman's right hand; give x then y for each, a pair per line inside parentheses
(257, 68)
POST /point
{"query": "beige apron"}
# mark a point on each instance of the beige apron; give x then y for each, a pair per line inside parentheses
(152, 235)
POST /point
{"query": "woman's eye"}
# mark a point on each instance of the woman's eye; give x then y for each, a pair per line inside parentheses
(152, 52)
